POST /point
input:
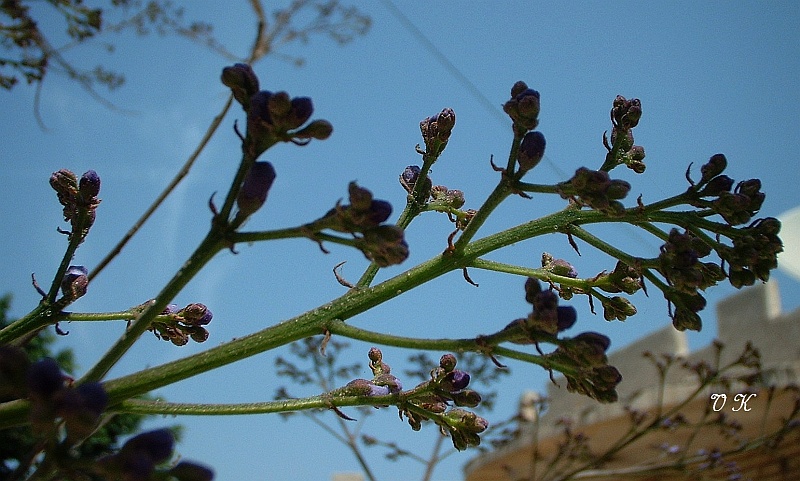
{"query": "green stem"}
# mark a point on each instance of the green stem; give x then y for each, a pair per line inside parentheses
(212, 244)
(322, 401)
(304, 325)
(541, 274)
(498, 195)
(290, 233)
(536, 188)
(414, 206)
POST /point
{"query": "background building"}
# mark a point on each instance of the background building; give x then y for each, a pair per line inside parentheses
(753, 315)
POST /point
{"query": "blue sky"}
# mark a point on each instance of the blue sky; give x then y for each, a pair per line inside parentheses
(712, 77)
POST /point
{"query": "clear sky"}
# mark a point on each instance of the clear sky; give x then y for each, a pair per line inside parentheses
(712, 77)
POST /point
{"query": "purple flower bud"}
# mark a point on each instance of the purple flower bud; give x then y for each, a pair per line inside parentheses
(242, 81)
(375, 355)
(75, 282)
(197, 333)
(302, 108)
(95, 398)
(196, 314)
(255, 188)
(523, 108)
(448, 362)
(532, 288)
(595, 339)
(379, 211)
(45, 378)
(716, 186)
(158, 444)
(531, 150)
(715, 166)
(89, 186)
(279, 106)
(454, 381)
(518, 88)
(317, 129)
(566, 315)
(467, 398)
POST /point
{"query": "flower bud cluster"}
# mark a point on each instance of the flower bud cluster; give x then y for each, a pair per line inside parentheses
(272, 116)
(623, 278)
(736, 207)
(182, 324)
(255, 188)
(595, 189)
(523, 107)
(547, 317)
(617, 308)
(679, 263)
(447, 386)
(54, 399)
(409, 177)
(595, 377)
(79, 198)
(436, 131)
(381, 243)
(74, 283)
(754, 253)
(139, 457)
(625, 115)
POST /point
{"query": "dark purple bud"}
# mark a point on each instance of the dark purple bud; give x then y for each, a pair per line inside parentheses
(258, 116)
(716, 186)
(388, 380)
(379, 211)
(279, 106)
(360, 198)
(375, 355)
(158, 445)
(45, 378)
(595, 339)
(89, 186)
(197, 333)
(618, 189)
(445, 121)
(317, 129)
(196, 314)
(466, 398)
(567, 315)
(242, 81)
(532, 289)
(454, 381)
(523, 109)
(384, 245)
(64, 182)
(95, 398)
(302, 108)
(531, 150)
(518, 88)
(255, 188)
(448, 362)
(188, 471)
(74, 283)
(715, 166)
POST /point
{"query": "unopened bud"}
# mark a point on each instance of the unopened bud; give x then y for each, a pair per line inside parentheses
(242, 81)
(531, 150)
(255, 188)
